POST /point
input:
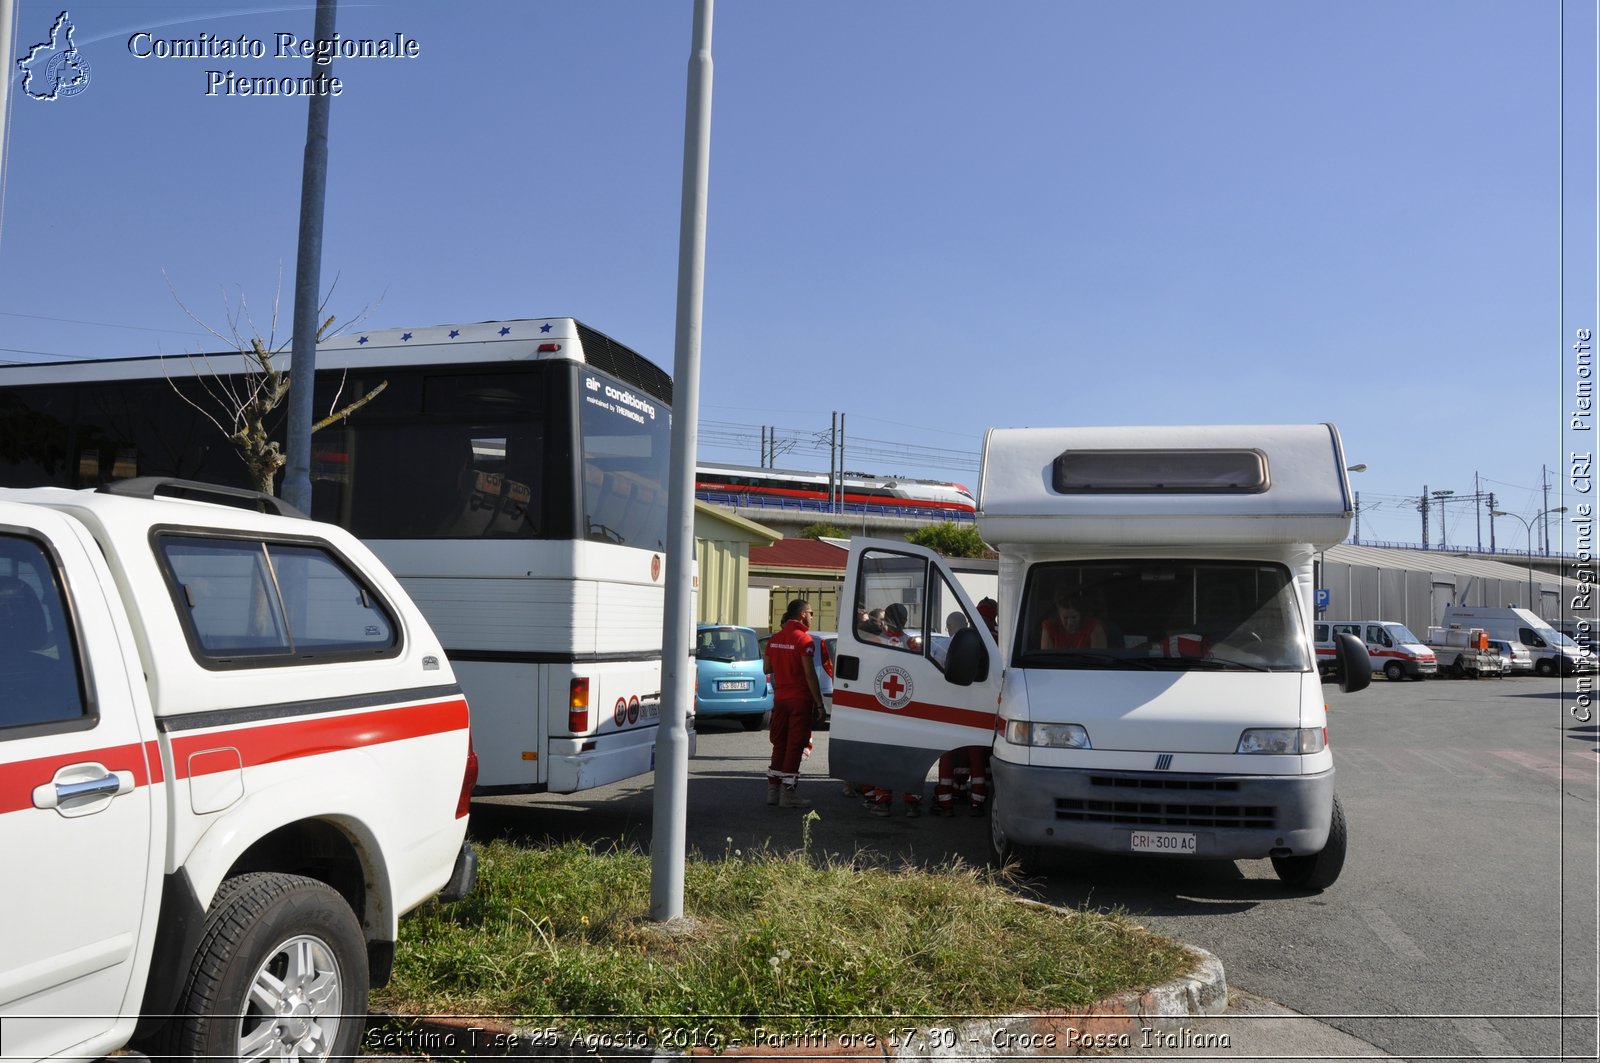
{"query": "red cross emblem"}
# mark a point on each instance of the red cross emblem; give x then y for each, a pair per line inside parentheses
(894, 687)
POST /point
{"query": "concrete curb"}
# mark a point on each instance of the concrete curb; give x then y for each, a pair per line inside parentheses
(1109, 1025)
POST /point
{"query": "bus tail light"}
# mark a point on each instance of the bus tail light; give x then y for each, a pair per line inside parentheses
(469, 782)
(578, 706)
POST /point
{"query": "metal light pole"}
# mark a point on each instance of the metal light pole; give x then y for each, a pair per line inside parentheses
(1357, 468)
(1528, 527)
(668, 838)
(1440, 497)
(308, 280)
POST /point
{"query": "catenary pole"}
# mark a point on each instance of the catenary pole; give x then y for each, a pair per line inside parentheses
(308, 279)
(667, 842)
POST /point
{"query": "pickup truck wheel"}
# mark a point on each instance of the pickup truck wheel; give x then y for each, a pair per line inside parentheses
(1004, 852)
(1316, 871)
(281, 973)
(1395, 671)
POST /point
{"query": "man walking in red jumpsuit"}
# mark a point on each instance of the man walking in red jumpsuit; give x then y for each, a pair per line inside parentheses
(796, 700)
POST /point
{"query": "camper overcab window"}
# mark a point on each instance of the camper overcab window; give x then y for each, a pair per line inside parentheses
(1178, 615)
(1160, 471)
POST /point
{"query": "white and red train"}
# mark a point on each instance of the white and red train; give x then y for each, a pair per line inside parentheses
(859, 488)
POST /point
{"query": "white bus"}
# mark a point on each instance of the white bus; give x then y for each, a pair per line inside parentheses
(512, 474)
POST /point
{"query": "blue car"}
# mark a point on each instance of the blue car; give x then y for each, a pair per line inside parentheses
(730, 675)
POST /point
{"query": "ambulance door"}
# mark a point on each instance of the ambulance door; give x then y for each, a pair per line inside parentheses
(898, 696)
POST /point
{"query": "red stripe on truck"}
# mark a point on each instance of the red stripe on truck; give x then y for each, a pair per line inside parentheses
(257, 744)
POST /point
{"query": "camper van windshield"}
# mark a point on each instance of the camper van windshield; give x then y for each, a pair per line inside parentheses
(1161, 614)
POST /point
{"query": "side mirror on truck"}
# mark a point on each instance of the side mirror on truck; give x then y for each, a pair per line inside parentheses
(967, 661)
(1355, 666)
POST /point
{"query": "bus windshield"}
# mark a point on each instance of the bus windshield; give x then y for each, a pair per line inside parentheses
(626, 440)
(1161, 614)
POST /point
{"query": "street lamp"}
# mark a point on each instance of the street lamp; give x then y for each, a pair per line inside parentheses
(1357, 537)
(1528, 527)
(1439, 499)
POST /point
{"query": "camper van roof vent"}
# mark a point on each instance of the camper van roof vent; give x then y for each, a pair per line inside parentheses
(1160, 472)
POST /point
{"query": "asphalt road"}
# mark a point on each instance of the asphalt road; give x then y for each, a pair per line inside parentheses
(1464, 923)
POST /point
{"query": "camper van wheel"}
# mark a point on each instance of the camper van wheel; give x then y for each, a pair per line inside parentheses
(1316, 871)
(1002, 850)
(1395, 671)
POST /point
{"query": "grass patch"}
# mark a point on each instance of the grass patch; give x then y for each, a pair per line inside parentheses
(774, 941)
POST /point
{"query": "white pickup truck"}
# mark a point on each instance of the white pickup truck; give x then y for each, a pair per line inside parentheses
(232, 755)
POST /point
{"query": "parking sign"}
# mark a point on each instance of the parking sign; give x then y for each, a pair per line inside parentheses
(1323, 597)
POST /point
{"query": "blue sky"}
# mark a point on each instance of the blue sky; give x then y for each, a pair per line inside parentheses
(932, 216)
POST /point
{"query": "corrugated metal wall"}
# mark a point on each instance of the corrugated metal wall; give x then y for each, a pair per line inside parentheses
(1416, 595)
(724, 574)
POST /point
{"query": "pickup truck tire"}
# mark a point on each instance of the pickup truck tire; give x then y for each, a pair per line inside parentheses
(281, 973)
(1003, 852)
(1316, 871)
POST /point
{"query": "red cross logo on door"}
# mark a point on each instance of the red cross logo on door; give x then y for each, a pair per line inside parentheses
(893, 687)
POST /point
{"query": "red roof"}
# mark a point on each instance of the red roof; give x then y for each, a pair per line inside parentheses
(799, 553)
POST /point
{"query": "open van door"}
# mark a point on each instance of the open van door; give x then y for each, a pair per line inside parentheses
(906, 695)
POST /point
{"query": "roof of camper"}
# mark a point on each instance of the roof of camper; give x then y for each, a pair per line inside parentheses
(1130, 484)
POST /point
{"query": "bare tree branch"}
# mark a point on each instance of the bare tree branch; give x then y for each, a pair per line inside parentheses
(244, 401)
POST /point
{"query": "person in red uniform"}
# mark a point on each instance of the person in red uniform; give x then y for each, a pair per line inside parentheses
(964, 773)
(1070, 629)
(796, 701)
(880, 800)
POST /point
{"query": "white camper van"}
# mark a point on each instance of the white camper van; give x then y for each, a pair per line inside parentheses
(1153, 687)
(1553, 653)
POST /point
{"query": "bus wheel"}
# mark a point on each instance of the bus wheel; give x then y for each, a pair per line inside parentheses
(1316, 871)
(1003, 852)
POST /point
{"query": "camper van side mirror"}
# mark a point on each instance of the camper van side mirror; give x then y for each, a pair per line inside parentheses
(967, 661)
(1355, 667)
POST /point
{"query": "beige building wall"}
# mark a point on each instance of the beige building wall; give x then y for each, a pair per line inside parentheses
(722, 544)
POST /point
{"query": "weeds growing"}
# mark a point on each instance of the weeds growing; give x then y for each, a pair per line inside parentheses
(558, 936)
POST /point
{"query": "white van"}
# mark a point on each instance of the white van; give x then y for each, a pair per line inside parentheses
(1391, 645)
(1553, 653)
(1153, 688)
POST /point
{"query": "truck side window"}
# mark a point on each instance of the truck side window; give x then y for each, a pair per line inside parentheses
(245, 602)
(39, 676)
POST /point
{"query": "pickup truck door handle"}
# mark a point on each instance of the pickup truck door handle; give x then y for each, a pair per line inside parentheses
(82, 789)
